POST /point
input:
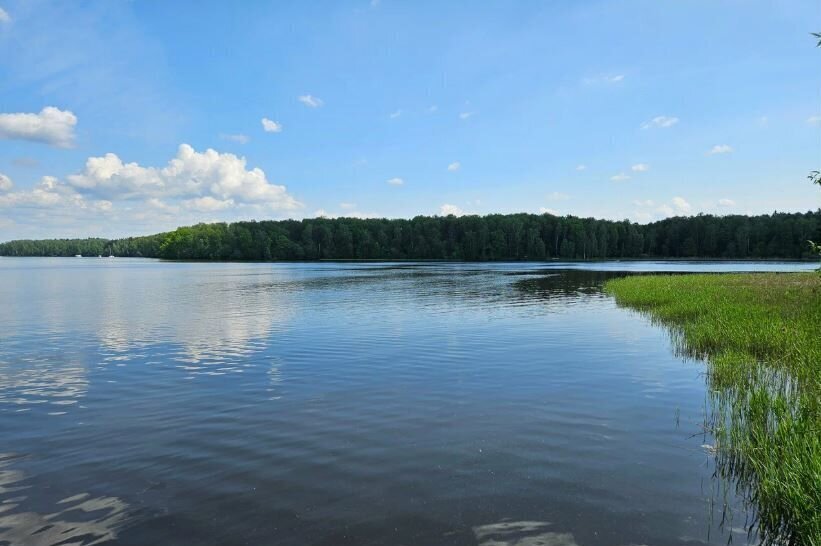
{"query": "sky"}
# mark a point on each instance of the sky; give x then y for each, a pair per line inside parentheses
(133, 117)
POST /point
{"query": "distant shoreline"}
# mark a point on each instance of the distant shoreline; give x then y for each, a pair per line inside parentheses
(433, 261)
(491, 238)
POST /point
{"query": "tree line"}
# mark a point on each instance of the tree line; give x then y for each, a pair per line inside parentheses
(471, 238)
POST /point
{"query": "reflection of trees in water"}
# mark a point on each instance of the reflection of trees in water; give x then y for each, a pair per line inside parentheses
(78, 519)
(564, 285)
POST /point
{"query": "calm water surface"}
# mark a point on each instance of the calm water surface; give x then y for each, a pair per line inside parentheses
(144, 402)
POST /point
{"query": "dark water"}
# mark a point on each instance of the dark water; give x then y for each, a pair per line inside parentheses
(144, 402)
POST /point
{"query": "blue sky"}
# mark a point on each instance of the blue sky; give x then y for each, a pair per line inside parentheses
(132, 117)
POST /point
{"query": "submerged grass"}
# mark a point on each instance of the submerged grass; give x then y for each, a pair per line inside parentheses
(761, 337)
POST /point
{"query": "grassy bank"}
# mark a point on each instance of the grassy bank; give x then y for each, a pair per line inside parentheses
(761, 337)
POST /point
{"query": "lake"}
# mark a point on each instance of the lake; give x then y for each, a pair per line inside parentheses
(148, 402)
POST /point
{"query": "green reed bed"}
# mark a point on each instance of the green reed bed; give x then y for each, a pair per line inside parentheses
(761, 337)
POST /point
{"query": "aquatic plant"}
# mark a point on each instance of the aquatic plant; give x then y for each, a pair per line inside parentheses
(759, 334)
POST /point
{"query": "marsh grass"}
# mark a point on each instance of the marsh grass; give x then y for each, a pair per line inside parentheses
(761, 337)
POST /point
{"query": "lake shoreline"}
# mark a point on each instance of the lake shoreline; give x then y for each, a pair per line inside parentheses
(758, 335)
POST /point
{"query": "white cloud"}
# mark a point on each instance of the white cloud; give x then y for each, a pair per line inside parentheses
(814, 120)
(160, 205)
(375, 3)
(189, 174)
(48, 193)
(103, 205)
(347, 206)
(432, 108)
(726, 203)
(239, 138)
(545, 210)
(394, 115)
(665, 211)
(271, 126)
(640, 167)
(681, 205)
(466, 115)
(396, 181)
(558, 196)
(455, 166)
(207, 204)
(362, 215)
(5, 183)
(51, 126)
(113, 198)
(310, 101)
(322, 213)
(660, 121)
(621, 177)
(447, 210)
(642, 217)
(581, 167)
(720, 149)
(4, 16)
(651, 210)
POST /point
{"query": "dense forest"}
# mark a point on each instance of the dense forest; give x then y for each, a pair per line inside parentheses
(473, 238)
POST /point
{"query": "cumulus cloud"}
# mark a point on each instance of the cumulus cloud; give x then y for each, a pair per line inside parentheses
(546, 210)
(50, 126)
(581, 167)
(113, 197)
(190, 174)
(814, 120)
(448, 210)
(48, 193)
(681, 205)
(5, 183)
(4, 16)
(396, 181)
(271, 126)
(640, 167)
(347, 206)
(650, 210)
(455, 166)
(720, 149)
(621, 177)
(396, 114)
(726, 203)
(162, 206)
(239, 138)
(660, 122)
(310, 101)
(558, 196)
(466, 115)
(207, 204)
